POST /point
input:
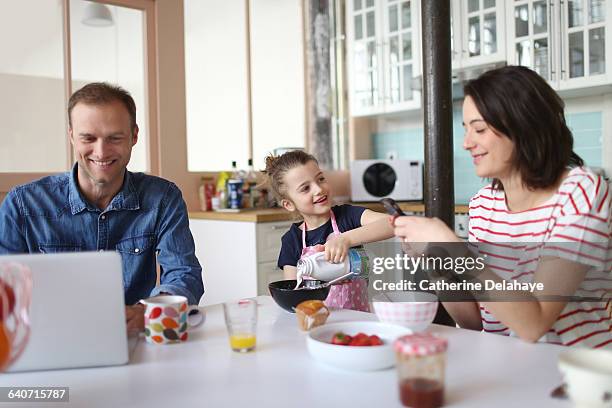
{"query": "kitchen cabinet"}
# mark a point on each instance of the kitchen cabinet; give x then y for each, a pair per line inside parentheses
(238, 258)
(244, 74)
(384, 62)
(216, 93)
(565, 41)
(278, 95)
(268, 236)
(477, 32)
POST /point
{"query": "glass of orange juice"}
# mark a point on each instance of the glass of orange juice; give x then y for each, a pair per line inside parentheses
(241, 322)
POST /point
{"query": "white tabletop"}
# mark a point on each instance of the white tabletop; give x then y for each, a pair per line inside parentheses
(483, 370)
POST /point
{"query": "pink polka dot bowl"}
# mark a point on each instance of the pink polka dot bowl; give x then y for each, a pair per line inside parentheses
(413, 310)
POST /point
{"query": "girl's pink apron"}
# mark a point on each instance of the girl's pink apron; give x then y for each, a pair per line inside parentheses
(348, 294)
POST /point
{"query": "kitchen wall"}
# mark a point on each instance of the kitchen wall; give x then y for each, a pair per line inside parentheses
(586, 117)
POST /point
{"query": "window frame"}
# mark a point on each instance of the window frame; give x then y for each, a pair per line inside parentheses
(8, 180)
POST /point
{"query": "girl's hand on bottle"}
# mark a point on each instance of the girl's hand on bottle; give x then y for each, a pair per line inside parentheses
(336, 249)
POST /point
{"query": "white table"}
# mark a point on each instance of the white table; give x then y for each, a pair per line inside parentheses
(483, 370)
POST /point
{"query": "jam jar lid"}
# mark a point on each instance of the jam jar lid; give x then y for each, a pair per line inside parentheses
(420, 344)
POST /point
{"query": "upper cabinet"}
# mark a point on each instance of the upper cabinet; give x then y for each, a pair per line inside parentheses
(244, 80)
(383, 56)
(278, 99)
(477, 32)
(565, 41)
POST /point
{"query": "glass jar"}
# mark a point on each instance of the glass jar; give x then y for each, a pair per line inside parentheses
(421, 359)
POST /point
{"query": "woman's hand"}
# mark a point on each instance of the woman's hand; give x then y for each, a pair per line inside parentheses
(422, 229)
(337, 248)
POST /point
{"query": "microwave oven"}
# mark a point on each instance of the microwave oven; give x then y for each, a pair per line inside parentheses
(372, 180)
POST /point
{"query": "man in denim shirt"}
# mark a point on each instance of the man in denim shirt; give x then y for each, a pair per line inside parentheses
(100, 206)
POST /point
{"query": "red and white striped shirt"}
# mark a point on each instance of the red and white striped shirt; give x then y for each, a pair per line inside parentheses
(574, 224)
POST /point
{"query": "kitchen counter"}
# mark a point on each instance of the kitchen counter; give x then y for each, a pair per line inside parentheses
(279, 214)
(247, 215)
(483, 370)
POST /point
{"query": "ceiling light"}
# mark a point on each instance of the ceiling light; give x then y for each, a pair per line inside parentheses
(97, 15)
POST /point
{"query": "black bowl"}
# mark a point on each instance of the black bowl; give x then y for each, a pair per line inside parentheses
(283, 294)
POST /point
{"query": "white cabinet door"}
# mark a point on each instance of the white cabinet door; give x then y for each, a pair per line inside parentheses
(482, 32)
(238, 258)
(269, 236)
(267, 272)
(456, 31)
(226, 251)
(531, 42)
(277, 76)
(216, 84)
(565, 41)
(383, 43)
(402, 54)
(364, 63)
(585, 43)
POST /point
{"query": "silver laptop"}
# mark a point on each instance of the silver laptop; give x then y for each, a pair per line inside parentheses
(77, 313)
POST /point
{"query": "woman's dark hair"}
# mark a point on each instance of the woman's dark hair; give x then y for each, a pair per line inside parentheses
(519, 103)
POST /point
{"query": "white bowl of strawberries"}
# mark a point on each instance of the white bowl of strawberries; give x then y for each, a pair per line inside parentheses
(361, 346)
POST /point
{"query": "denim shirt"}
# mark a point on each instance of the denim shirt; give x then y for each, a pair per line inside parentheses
(146, 221)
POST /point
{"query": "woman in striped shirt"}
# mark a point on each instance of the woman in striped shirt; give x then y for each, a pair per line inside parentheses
(543, 219)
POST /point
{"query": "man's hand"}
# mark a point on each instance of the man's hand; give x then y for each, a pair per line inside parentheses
(337, 248)
(134, 318)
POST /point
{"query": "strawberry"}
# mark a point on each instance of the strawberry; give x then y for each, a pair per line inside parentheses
(360, 341)
(375, 340)
(341, 339)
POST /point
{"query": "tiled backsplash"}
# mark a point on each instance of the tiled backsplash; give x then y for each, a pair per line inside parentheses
(409, 144)
(587, 129)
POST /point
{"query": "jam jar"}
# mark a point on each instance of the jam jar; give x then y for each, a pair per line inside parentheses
(421, 359)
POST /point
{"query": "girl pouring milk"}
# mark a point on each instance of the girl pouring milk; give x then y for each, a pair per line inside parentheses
(301, 187)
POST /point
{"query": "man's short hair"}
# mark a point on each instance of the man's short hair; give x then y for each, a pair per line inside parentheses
(100, 93)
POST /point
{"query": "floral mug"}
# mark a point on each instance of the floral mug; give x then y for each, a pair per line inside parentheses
(167, 319)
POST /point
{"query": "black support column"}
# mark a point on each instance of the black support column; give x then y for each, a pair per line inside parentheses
(439, 191)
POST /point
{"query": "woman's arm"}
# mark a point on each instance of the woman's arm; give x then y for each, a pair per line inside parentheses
(290, 272)
(465, 314)
(529, 315)
(374, 227)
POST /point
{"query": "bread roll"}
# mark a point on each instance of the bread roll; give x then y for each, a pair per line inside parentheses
(311, 313)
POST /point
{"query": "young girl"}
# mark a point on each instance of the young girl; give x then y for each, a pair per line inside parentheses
(300, 186)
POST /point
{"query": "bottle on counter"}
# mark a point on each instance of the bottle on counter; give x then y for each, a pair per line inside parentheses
(222, 179)
(316, 267)
(234, 169)
(206, 193)
(234, 193)
(251, 193)
(237, 174)
(235, 188)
